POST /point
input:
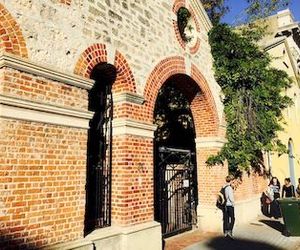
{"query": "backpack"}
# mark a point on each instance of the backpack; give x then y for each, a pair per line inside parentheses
(221, 198)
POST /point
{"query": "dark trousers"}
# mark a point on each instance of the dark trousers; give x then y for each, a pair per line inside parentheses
(228, 218)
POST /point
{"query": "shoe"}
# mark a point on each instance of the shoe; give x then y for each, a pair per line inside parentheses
(230, 234)
(226, 233)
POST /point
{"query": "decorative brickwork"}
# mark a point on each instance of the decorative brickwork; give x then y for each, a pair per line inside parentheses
(203, 108)
(202, 103)
(42, 183)
(96, 54)
(195, 48)
(28, 87)
(11, 38)
(196, 44)
(178, 4)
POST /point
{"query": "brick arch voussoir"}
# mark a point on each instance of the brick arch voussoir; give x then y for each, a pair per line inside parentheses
(11, 37)
(125, 78)
(203, 106)
(97, 53)
(208, 123)
(88, 59)
(161, 73)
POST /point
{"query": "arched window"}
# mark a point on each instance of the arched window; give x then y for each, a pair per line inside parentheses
(291, 161)
(99, 155)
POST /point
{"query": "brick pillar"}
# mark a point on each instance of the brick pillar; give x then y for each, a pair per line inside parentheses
(132, 172)
(210, 180)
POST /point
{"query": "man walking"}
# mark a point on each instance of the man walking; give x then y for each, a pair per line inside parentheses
(228, 212)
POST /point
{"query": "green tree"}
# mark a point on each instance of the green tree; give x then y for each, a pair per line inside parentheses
(215, 9)
(259, 9)
(255, 22)
(253, 100)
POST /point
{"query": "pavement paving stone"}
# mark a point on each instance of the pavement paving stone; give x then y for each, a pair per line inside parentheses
(262, 234)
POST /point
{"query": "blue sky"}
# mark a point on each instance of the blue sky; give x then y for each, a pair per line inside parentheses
(237, 7)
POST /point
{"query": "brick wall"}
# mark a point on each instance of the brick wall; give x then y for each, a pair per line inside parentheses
(42, 183)
(210, 179)
(132, 183)
(38, 89)
(250, 186)
(141, 31)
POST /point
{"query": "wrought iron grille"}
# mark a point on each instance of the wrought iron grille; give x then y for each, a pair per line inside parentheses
(176, 191)
(98, 212)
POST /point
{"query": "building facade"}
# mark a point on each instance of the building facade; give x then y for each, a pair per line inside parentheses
(283, 44)
(79, 83)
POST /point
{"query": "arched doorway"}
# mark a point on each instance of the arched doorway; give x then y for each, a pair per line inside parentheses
(291, 162)
(175, 171)
(99, 155)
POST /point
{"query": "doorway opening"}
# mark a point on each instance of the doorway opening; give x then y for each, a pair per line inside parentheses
(175, 171)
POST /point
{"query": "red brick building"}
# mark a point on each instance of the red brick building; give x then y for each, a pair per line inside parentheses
(77, 157)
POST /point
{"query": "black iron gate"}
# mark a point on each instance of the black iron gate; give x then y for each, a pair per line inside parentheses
(175, 190)
(98, 206)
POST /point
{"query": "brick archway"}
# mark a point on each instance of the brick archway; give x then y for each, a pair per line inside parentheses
(11, 37)
(202, 103)
(97, 53)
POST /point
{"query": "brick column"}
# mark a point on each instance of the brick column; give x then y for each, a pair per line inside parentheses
(210, 180)
(132, 180)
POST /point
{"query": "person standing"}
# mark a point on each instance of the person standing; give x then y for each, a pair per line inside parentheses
(288, 189)
(274, 206)
(228, 212)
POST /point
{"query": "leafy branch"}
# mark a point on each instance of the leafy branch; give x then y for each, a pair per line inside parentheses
(253, 101)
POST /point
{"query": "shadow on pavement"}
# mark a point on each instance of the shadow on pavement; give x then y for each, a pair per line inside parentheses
(221, 243)
(277, 225)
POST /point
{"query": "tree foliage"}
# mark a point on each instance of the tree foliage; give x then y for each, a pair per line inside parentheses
(215, 9)
(259, 9)
(253, 100)
(255, 22)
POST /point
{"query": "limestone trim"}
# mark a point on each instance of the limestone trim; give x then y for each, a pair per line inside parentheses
(116, 230)
(131, 127)
(209, 142)
(277, 42)
(81, 244)
(26, 110)
(188, 65)
(115, 233)
(24, 65)
(140, 227)
(274, 43)
(199, 9)
(128, 97)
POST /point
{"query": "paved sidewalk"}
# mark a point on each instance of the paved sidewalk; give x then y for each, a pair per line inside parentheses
(263, 234)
